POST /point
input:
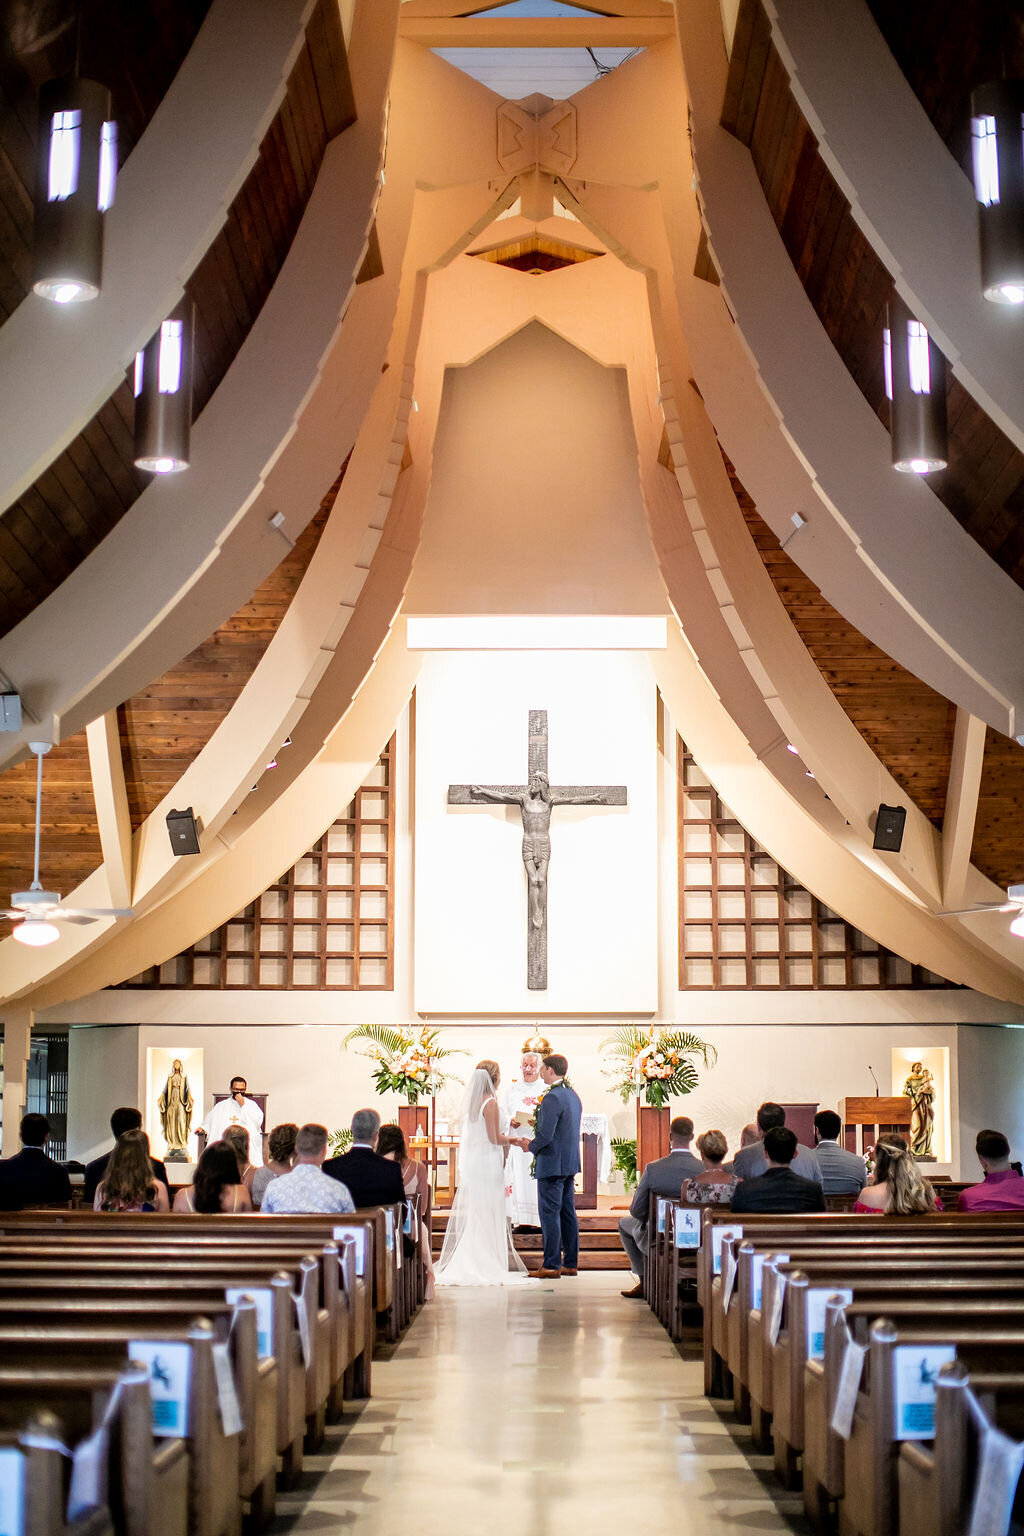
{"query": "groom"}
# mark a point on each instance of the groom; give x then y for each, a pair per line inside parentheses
(556, 1148)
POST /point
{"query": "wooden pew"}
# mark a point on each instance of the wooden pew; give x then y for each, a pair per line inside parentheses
(39, 1472)
(144, 1482)
(214, 1507)
(936, 1480)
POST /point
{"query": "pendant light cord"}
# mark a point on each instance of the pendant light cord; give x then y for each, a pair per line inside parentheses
(36, 884)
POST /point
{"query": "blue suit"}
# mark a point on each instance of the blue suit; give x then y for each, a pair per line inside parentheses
(556, 1149)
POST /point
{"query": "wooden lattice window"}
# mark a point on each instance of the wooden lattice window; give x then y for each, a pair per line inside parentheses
(326, 924)
(744, 922)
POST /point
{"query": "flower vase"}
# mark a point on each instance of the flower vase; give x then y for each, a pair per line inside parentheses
(652, 1127)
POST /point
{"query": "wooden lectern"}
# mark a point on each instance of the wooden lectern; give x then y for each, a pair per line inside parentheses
(875, 1114)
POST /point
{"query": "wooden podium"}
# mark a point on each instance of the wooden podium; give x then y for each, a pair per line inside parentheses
(875, 1114)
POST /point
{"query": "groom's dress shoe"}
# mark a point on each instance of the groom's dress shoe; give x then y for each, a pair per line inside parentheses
(546, 1274)
(570, 1271)
(637, 1293)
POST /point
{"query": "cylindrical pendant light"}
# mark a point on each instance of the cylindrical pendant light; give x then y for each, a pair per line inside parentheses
(163, 395)
(997, 143)
(915, 381)
(76, 169)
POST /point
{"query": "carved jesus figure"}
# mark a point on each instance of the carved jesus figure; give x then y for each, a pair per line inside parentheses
(535, 803)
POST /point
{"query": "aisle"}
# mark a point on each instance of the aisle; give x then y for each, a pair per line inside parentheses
(557, 1408)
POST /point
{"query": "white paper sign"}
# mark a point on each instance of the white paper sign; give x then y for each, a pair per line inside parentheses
(778, 1297)
(999, 1469)
(169, 1365)
(227, 1397)
(407, 1219)
(305, 1334)
(757, 1275)
(916, 1369)
(88, 1487)
(728, 1275)
(687, 1226)
(663, 1206)
(356, 1235)
(389, 1228)
(815, 1303)
(850, 1373)
(717, 1234)
(263, 1296)
(12, 1491)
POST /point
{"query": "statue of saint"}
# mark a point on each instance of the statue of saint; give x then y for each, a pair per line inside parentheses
(176, 1106)
(919, 1088)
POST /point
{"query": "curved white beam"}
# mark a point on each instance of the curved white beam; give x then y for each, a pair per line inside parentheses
(59, 364)
(193, 547)
(879, 545)
(907, 193)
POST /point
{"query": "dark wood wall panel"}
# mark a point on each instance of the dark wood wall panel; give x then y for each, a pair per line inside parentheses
(847, 284)
(163, 729)
(133, 46)
(999, 832)
(89, 487)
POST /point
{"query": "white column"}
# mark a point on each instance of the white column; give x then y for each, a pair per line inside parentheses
(17, 1045)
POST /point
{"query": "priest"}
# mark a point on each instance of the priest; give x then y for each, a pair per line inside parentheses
(519, 1102)
(237, 1110)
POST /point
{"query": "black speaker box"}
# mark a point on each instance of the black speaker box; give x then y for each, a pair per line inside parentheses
(889, 824)
(183, 832)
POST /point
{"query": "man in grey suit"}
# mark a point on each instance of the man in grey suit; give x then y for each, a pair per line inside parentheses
(842, 1172)
(750, 1163)
(663, 1177)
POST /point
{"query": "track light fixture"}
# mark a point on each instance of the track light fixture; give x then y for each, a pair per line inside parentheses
(915, 382)
(76, 170)
(997, 145)
(163, 395)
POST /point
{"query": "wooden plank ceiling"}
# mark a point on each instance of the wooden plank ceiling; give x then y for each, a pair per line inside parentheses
(844, 280)
(163, 729)
(908, 725)
(89, 487)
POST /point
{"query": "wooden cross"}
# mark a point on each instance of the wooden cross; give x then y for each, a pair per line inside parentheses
(536, 799)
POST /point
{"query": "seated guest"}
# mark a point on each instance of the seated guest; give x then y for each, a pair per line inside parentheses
(750, 1162)
(750, 1135)
(281, 1147)
(237, 1137)
(843, 1173)
(898, 1188)
(217, 1187)
(714, 1186)
(391, 1145)
(370, 1179)
(1003, 1187)
(306, 1189)
(778, 1189)
(129, 1183)
(662, 1177)
(126, 1119)
(32, 1176)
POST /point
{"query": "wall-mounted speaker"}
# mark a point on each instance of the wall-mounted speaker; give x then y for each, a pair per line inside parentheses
(183, 832)
(889, 824)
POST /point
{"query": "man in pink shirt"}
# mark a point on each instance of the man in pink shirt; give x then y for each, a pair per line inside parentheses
(1003, 1189)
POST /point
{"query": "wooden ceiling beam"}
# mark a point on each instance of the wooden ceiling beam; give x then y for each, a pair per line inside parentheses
(439, 10)
(962, 791)
(539, 32)
(111, 796)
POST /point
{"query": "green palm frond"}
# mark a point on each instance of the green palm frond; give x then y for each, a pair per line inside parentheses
(392, 1041)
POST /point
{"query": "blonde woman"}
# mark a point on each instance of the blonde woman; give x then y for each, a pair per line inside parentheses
(898, 1188)
(237, 1138)
(714, 1186)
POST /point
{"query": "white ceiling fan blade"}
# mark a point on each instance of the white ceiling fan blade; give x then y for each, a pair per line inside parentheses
(1002, 906)
(90, 914)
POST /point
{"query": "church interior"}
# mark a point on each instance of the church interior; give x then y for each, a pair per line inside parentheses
(533, 619)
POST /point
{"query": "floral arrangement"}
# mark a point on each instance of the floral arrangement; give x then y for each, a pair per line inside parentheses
(338, 1142)
(655, 1062)
(408, 1061)
(624, 1158)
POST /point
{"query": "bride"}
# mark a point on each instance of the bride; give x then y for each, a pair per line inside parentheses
(478, 1244)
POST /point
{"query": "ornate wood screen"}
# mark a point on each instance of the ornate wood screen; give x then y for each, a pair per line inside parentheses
(744, 922)
(327, 924)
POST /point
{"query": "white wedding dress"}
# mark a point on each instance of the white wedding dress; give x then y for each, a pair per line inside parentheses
(478, 1247)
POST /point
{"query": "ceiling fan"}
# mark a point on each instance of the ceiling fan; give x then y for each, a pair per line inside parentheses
(1014, 903)
(36, 911)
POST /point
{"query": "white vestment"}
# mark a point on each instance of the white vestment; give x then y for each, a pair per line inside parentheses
(228, 1112)
(520, 1098)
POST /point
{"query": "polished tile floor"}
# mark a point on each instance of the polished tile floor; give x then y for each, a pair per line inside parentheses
(552, 1408)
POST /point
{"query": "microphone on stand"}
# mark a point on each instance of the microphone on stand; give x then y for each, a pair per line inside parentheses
(874, 1079)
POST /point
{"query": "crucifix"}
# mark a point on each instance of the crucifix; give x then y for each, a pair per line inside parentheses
(535, 800)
